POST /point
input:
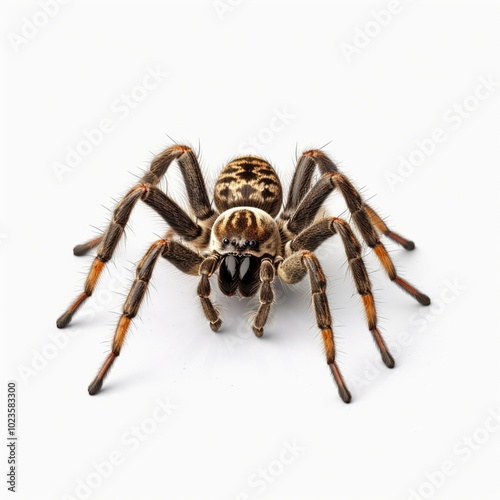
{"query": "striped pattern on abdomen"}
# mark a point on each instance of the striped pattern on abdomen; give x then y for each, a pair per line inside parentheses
(248, 181)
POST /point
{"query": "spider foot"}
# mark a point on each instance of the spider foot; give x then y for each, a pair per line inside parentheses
(343, 391)
(258, 331)
(423, 299)
(388, 359)
(420, 297)
(384, 352)
(85, 248)
(95, 386)
(65, 319)
(409, 245)
(80, 250)
(215, 326)
(406, 244)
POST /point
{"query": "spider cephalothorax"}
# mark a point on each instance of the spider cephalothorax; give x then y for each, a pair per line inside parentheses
(243, 237)
(246, 230)
(246, 243)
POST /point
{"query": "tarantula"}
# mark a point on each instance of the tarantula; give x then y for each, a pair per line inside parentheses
(246, 243)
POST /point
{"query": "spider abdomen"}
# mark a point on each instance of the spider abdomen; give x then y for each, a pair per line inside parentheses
(248, 181)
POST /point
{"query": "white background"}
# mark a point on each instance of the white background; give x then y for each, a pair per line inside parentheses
(238, 400)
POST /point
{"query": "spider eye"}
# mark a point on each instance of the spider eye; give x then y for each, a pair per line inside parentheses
(225, 241)
(252, 243)
(234, 242)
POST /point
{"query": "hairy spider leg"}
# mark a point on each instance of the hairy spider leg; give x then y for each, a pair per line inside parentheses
(207, 268)
(311, 202)
(182, 257)
(301, 184)
(310, 238)
(291, 270)
(85, 248)
(266, 296)
(146, 190)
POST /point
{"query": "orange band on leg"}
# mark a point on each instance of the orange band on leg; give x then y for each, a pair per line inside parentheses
(120, 333)
(327, 335)
(371, 313)
(385, 260)
(94, 273)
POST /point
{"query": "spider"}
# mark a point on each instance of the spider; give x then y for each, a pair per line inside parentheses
(247, 242)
